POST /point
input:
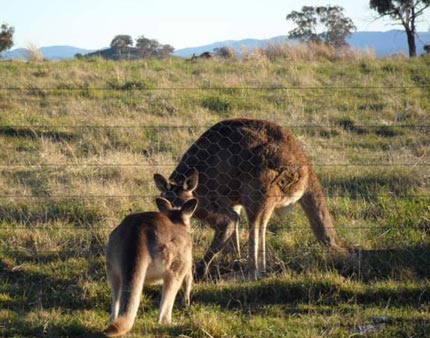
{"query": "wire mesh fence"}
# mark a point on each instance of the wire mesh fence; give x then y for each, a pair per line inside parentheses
(87, 186)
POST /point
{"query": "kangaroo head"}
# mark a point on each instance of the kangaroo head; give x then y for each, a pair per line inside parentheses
(179, 215)
(177, 192)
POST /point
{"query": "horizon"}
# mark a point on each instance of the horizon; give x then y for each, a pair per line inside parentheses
(203, 45)
(48, 23)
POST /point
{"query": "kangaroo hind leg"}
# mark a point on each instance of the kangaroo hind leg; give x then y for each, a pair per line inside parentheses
(115, 284)
(171, 286)
(258, 218)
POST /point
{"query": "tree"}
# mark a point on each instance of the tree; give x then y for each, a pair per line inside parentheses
(306, 22)
(322, 24)
(6, 37)
(405, 11)
(121, 43)
(225, 52)
(152, 48)
(338, 26)
(167, 50)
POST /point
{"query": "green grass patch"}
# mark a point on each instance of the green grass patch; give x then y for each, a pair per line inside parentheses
(80, 141)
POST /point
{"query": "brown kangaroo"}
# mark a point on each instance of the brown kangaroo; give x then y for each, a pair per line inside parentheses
(252, 164)
(150, 248)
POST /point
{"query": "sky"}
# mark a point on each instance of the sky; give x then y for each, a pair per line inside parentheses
(92, 24)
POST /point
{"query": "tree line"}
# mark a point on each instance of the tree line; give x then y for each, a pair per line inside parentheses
(144, 47)
(329, 25)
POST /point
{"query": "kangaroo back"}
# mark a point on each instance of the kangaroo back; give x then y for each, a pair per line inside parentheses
(238, 161)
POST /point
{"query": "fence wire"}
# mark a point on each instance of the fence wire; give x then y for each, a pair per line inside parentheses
(242, 164)
(215, 88)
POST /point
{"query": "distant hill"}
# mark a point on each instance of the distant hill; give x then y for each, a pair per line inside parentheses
(130, 53)
(384, 44)
(106, 53)
(387, 43)
(50, 53)
(237, 45)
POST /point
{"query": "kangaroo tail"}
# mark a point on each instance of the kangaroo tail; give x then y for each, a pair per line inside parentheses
(116, 329)
(131, 291)
(314, 204)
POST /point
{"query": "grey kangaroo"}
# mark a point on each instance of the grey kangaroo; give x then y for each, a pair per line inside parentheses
(149, 248)
(254, 165)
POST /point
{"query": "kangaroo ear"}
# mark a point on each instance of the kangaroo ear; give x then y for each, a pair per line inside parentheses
(162, 184)
(191, 182)
(189, 207)
(163, 205)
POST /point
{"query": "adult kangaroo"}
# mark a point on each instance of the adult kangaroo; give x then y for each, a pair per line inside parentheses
(252, 164)
(149, 248)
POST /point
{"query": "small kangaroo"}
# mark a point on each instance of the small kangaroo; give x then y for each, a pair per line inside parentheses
(252, 164)
(149, 248)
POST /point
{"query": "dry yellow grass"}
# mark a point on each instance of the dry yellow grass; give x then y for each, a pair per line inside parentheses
(80, 141)
(308, 52)
(33, 54)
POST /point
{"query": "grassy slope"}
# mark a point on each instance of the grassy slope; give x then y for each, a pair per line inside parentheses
(75, 158)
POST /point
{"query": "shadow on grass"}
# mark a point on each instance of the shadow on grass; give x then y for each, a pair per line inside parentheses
(89, 248)
(412, 263)
(350, 126)
(29, 289)
(406, 328)
(22, 327)
(369, 187)
(244, 296)
(36, 134)
(406, 271)
(74, 211)
(409, 263)
(164, 331)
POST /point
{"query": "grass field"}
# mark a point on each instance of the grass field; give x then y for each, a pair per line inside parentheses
(80, 141)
